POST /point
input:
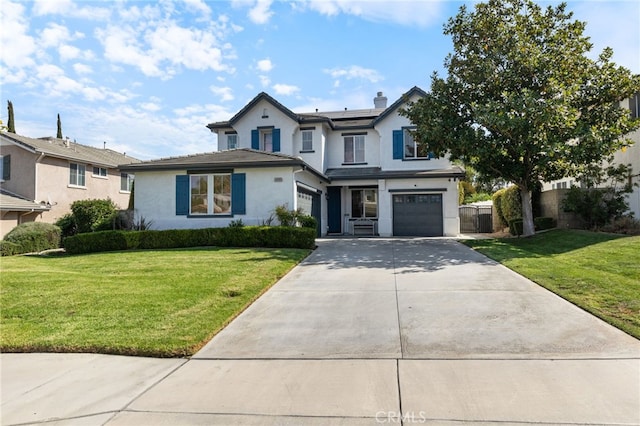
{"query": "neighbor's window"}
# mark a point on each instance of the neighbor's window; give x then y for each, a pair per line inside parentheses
(232, 141)
(307, 140)
(210, 194)
(411, 148)
(364, 203)
(126, 182)
(99, 171)
(354, 149)
(77, 174)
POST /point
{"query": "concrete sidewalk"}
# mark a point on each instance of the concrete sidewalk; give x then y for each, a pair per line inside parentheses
(364, 331)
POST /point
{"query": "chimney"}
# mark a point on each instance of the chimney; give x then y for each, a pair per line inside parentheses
(380, 101)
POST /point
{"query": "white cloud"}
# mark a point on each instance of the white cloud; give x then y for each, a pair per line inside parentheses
(68, 8)
(82, 68)
(17, 45)
(198, 6)
(355, 72)
(407, 12)
(54, 35)
(225, 93)
(150, 106)
(285, 89)
(265, 65)
(260, 11)
(264, 80)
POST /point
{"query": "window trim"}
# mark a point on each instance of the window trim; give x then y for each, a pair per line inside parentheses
(416, 157)
(130, 178)
(234, 136)
(84, 175)
(364, 203)
(304, 132)
(355, 138)
(210, 196)
(100, 175)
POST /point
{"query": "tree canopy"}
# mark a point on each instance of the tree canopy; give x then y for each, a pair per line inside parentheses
(523, 100)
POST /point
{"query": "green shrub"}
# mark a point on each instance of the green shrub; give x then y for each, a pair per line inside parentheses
(34, 237)
(308, 221)
(460, 193)
(516, 227)
(623, 225)
(236, 223)
(93, 215)
(542, 223)
(8, 248)
(478, 196)
(67, 225)
(511, 204)
(246, 236)
(596, 206)
(497, 203)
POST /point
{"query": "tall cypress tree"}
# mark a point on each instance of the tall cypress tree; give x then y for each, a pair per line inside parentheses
(11, 126)
(59, 134)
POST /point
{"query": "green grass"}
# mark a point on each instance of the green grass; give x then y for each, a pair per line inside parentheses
(596, 271)
(162, 303)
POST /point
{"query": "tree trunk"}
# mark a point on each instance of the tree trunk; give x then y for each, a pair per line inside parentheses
(528, 228)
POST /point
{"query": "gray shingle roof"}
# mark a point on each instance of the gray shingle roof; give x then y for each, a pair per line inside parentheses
(360, 173)
(71, 150)
(13, 202)
(234, 158)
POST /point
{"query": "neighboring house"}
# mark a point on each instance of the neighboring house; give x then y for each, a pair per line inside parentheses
(41, 178)
(629, 155)
(356, 171)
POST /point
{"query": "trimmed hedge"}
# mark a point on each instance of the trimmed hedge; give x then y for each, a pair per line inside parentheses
(31, 237)
(542, 223)
(246, 236)
(516, 227)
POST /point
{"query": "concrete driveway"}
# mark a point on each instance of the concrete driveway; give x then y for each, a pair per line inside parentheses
(364, 331)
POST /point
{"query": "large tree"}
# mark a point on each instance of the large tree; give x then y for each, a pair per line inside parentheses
(11, 125)
(523, 100)
(59, 132)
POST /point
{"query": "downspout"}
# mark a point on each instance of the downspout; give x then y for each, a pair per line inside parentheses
(24, 214)
(295, 188)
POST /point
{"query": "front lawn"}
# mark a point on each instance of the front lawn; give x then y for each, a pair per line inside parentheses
(161, 303)
(596, 271)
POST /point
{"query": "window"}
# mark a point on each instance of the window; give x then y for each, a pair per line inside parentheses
(307, 140)
(232, 141)
(364, 203)
(99, 171)
(77, 174)
(411, 148)
(5, 167)
(126, 182)
(210, 194)
(266, 140)
(354, 149)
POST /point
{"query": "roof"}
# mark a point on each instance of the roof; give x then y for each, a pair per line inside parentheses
(14, 202)
(337, 120)
(360, 173)
(59, 148)
(234, 158)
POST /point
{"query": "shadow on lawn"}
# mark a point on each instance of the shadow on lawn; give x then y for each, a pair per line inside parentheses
(540, 245)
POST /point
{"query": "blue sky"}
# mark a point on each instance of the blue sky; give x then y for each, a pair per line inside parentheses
(147, 76)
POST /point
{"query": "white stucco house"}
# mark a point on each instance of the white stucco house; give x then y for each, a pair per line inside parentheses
(356, 171)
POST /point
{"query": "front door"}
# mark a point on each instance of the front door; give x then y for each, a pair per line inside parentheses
(334, 210)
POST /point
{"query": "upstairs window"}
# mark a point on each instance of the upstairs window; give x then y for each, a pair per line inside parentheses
(354, 149)
(411, 147)
(99, 171)
(307, 140)
(77, 174)
(232, 141)
(210, 194)
(266, 140)
(5, 167)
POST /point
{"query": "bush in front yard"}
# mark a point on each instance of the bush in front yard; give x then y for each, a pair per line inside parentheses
(93, 215)
(246, 236)
(8, 248)
(542, 223)
(33, 237)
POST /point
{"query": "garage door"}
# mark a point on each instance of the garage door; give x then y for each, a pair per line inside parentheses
(418, 215)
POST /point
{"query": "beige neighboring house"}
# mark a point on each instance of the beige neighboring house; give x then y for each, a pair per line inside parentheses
(630, 155)
(42, 177)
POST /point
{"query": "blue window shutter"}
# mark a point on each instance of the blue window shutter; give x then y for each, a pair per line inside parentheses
(255, 139)
(182, 195)
(275, 136)
(398, 144)
(238, 193)
(6, 167)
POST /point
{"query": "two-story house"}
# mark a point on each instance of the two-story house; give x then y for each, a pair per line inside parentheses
(41, 178)
(356, 171)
